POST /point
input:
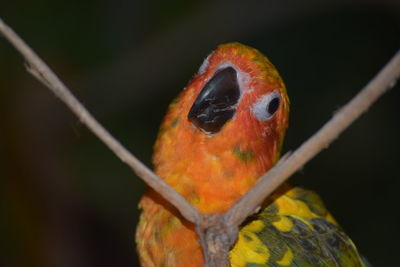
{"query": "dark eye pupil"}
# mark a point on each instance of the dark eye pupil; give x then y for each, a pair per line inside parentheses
(273, 105)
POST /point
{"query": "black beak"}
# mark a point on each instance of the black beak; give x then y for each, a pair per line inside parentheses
(216, 103)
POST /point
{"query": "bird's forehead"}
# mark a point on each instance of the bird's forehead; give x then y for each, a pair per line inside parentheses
(249, 80)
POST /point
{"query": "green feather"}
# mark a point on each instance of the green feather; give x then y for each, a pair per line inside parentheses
(312, 241)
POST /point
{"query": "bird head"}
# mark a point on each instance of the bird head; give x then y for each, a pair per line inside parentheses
(225, 129)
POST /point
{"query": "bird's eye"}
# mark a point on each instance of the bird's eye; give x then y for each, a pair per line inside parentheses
(265, 108)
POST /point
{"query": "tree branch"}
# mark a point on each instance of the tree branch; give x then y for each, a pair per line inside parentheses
(217, 232)
(383, 81)
(44, 74)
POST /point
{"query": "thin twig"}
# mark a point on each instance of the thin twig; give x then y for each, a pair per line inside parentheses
(223, 225)
(44, 74)
(383, 81)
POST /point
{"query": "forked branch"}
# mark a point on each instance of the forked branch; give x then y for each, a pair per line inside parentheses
(217, 232)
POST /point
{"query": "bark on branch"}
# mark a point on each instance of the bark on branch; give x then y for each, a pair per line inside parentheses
(39, 69)
(217, 232)
(383, 81)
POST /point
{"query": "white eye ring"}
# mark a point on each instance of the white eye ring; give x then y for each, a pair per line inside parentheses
(266, 106)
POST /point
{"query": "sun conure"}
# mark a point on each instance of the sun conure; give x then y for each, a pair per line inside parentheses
(219, 136)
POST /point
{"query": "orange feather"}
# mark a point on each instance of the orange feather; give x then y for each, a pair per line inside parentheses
(212, 171)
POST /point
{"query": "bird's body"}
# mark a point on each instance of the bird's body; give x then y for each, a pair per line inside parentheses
(219, 136)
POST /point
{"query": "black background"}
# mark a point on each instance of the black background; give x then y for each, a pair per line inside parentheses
(66, 200)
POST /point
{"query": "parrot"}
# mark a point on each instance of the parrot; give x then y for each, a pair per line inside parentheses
(223, 131)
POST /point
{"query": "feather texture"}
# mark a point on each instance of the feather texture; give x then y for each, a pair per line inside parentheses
(219, 136)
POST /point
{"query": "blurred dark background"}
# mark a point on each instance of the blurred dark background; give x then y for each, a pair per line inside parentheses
(66, 200)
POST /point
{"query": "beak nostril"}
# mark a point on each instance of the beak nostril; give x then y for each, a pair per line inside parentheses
(216, 103)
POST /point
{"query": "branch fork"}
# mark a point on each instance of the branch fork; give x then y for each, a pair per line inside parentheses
(217, 238)
(217, 232)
